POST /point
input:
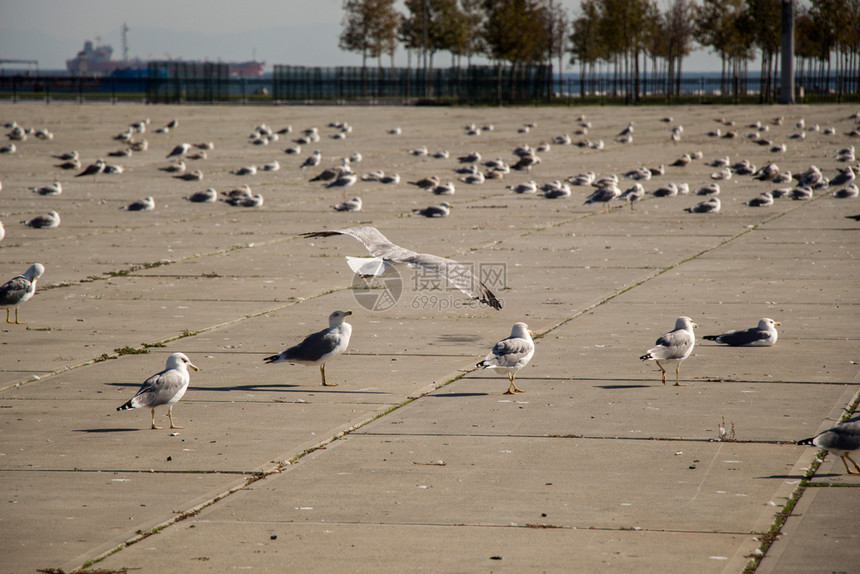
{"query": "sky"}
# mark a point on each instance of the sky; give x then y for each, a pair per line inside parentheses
(291, 32)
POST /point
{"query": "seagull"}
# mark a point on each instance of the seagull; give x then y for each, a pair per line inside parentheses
(345, 179)
(318, 348)
(682, 161)
(473, 157)
(603, 195)
(426, 183)
(93, 169)
(526, 162)
(390, 179)
(511, 354)
(127, 152)
(20, 289)
(271, 166)
(70, 164)
(763, 200)
(46, 221)
(178, 167)
(8, 148)
(675, 346)
(313, 160)
(55, 188)
(708, 206)
(179, 150)
(205, 145)
(441, 210)
(527, 187)
(586, 178)
(763, 335)
(419, 151)
(712, 188)
(847, 192)
(457, 274)
(246, 170)
(207, 196)
(145, 204)
(332, 173)
(164, 388)
(353, 204)
(633, 194)
(556, 190)
(842, 439)
(195, 175)
(244, 200)
(444, 189)
(68, 156)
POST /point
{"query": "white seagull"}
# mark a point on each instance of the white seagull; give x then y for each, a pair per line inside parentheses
(841, 440)
(510, 355)
(380, 248)
(674, 346)
(164, 388)
(20, 289)
(319, 347)
(762, 335)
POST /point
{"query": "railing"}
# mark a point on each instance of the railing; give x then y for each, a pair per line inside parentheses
(380, 86)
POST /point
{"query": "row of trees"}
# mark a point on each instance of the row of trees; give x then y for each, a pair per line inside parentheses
(626, 37)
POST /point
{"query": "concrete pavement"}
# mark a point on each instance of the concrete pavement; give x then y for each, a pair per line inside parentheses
(417, 462)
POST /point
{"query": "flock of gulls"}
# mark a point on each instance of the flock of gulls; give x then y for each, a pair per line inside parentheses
(513, 353)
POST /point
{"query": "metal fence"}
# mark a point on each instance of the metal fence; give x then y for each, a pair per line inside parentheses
(173, 82)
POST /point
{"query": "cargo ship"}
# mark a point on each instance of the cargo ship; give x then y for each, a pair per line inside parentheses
(96, 60)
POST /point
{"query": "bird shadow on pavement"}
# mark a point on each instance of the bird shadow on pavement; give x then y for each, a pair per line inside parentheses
(619, 387)
(106, 430)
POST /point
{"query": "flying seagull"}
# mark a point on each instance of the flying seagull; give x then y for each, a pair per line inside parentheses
(511, 354)
(20, 289)
(675, 346)
(319, 347)
(842, 439)
(164, 388)
(763, 335)
(457, 274)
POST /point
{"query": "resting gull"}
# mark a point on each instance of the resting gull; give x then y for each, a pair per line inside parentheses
(55, 188)
(708, 206)
(319, 347)
(457, 274)
(179, 150)
(511, 354)
(93, 169)
(675, 346)
(353, 204)
(46, 221)
(164, 388)
(206, 196)
(763, 335)
(20, 289)
(145, 204)
(441, 210)
(842, 439)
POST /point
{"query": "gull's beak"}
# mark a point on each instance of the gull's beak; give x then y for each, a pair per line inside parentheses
(695, 325)
(348, 313)
(777, 323)
(193, 367)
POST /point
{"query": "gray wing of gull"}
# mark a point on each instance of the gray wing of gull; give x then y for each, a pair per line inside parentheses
(159, 389)
(14, 290)
(508, 352)
(740, 338)
(457, 274)
(314, 348)
(845, 436)
(672, 345)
